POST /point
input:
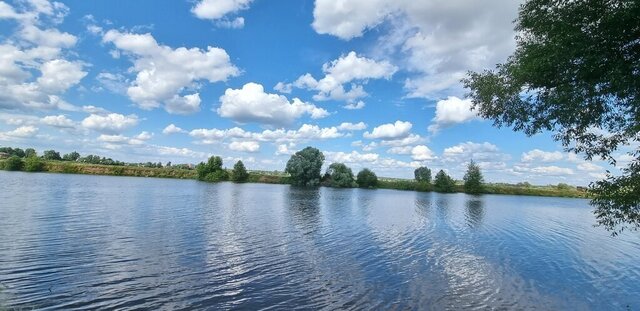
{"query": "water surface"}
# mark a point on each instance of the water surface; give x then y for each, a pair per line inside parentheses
(100, 242)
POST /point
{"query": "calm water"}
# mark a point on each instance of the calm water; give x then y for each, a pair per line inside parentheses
(98, 242)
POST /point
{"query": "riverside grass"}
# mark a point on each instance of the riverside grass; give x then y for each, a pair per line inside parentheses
(267, 177)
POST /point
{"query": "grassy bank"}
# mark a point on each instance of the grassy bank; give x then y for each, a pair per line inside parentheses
(67, 167)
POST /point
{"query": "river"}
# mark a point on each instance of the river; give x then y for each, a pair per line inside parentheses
(102, 242)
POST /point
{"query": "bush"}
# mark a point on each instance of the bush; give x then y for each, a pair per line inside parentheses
(13, 163)
(443, 182)
(33, 164)
(304, 167)
(239, 173)
(367, 179)
(340, 176)
(51, 155)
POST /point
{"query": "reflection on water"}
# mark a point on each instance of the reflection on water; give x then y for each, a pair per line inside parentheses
(474, 211)
(97, 242)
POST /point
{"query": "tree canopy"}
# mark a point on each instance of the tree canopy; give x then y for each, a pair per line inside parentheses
(212, 171)
(575, 72)
(367, 179)
(13, 163)
(340, 176)
(304, 167)
(239, 172)
(51, 155)
(443, 182)
(473, 179)
(422, 174)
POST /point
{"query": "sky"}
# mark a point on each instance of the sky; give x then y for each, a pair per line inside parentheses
(371, 83)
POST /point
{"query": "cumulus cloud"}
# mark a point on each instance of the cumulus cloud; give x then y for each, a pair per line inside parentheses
(589, 167)
(354, 106)
(35, 50)
(544, 170)
(347, 69)
(172, 129)
(352, 157)
(305, 133)
(537, 155)
(348, 126)
(164, 74)
(253, 104)
(422, 153)
(390, 131)
(217, 9)
(22, 132)
(437, 41)
(60, 121)
(245, 146)
(450, 111)
(110, 123)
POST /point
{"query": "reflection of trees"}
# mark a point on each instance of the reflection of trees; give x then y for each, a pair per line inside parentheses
(304, 208)
(423, 204)
(474, 212)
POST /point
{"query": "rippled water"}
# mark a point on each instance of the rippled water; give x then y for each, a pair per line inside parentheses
(98, 242)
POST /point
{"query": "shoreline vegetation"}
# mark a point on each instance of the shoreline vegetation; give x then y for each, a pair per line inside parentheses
(338, 175)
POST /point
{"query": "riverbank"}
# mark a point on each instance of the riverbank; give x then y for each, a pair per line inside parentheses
(67, 167)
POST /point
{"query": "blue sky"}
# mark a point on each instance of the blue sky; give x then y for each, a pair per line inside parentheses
(370, 83)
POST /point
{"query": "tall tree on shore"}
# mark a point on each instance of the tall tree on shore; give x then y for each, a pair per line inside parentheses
(422, 174)
(367, 179)
(304, 167)
(473, 179)
(239, 172)
(443, 182)
(340, 175)
(575, 72)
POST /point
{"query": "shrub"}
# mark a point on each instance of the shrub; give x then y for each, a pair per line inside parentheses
(13, 163)
(51, 155)
(212, 171)
(33, 164)
(473, 180)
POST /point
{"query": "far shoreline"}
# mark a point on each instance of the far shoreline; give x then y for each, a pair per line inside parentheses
(263, 177)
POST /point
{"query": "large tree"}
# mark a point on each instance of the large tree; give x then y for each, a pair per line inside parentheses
(367, 179)
(443, 182)
(422, 174)
(304, 167)
(239, 172)
(576, 73)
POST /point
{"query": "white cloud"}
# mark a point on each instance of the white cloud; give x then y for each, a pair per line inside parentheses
(60, 121)
(349, 68)
(164, 74)
(217, 9)
(235, 23)
(348, 126)
(450, 111)
(110, 123)
(305, 133)
(283, 87)
(245, 146)
(411, 139)
(252, 104)
(589, 167)
(33, 72)
(544, 170)
(537, 155)
(352, 157)
(479, 152)
(400, 150)
(172, 129)
(422, 153)
(22, 132)
(436, 41)
(354, 106)
(390, 131)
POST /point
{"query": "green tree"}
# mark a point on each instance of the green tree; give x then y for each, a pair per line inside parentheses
(211, 171)
(443, 182)
(422, 174)
(304, 167)
(51, 155)
(239, 172)
(367, 179)
(575, 72)
(340, 176)
(13, 163)
(73, 156)
(33, 164)
(30, 152)
(473, 180)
